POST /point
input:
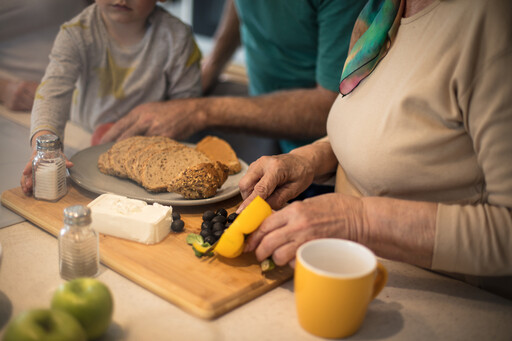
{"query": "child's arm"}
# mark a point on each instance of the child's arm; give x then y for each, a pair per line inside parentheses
(53, 97)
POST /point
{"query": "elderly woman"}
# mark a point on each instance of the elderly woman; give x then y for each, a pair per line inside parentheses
(420, 141)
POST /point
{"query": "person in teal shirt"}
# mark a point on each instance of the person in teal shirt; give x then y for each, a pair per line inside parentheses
(294, 44)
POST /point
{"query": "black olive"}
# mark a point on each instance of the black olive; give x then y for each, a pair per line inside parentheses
(218, 227)
(205, 233)
(219, 219)
(176, 215)
(208, 215)
(217, 234)
(210, 239)
(232, 217)
(206, 225)
(228, 224)
(222, 212)
(177, 225)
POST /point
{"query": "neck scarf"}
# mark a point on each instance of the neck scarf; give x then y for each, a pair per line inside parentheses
(374, 32)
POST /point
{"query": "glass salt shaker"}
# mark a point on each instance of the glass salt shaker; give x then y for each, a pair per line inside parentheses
(78, 244)
(49, 169)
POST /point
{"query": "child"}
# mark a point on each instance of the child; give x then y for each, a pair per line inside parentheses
(113, 56)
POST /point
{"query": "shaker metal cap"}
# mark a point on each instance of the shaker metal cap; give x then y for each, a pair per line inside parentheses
(48, 141)
(77, 215)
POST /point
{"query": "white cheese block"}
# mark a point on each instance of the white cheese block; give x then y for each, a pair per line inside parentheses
(131, 219)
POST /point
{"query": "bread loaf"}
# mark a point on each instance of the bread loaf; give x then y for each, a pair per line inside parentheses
(162, 167)
(162, 164)
(200, 180)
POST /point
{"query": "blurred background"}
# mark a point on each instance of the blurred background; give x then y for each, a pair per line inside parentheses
(203, 16)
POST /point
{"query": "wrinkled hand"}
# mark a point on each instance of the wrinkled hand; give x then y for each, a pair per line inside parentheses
(26, 177)
(177, 119)
(331, 215)
(18, 95)
(276, 179)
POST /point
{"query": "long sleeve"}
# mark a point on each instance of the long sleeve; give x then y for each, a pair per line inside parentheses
(477, 239)
(54, 95)
(433, 123)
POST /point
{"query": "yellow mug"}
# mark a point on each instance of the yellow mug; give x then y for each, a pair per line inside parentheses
(335, 281)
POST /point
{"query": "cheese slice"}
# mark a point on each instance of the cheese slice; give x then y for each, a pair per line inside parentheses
(131, 219)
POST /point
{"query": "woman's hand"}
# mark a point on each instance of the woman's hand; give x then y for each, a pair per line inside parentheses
(326, 216)
(276, 179)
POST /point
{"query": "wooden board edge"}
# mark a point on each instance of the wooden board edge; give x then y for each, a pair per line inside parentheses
(208, 311)
(6, 202)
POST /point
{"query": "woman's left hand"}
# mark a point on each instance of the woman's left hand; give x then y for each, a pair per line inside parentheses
(326, 216)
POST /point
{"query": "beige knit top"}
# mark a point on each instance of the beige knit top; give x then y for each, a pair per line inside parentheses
(433, 122)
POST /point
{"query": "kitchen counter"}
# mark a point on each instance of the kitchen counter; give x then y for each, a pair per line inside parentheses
(415, 304)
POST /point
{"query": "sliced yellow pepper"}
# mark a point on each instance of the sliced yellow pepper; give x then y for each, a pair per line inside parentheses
(200, 248)
(231, 243)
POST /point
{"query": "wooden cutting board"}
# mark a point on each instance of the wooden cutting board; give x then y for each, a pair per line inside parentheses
(206, 287)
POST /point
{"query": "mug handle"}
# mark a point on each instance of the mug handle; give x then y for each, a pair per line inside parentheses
(380, 279)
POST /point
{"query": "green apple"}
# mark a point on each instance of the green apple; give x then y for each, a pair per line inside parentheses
(89, 301)
(44, 325)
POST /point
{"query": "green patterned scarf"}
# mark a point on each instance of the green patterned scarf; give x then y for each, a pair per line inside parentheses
(373, 34)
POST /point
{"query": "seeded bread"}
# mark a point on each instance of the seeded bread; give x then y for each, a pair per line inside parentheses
(219, 150)
(135, 148)
(118, 154)
(103, 163)
(199, 181)
(161, 168)
(141, 158)
(162, 164)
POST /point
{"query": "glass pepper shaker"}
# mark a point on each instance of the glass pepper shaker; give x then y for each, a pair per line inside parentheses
(78, 244)
(49, 169)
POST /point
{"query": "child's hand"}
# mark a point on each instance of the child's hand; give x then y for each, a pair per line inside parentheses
(26, 177)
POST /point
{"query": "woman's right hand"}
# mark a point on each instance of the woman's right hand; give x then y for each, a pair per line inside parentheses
(277, 179)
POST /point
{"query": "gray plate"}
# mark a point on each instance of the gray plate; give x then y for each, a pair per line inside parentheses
(85, 173)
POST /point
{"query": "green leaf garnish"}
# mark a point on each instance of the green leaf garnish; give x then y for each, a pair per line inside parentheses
(192, 237)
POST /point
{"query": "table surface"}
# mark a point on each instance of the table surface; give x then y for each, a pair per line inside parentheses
(415, 304)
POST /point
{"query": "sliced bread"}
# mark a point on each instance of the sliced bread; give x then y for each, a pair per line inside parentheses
(139, 157)
(162, 167)
(162, 164)
(118, 155)
(103, 163)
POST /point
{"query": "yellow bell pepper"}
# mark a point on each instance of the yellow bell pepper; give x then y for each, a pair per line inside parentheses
(200, 248)
(231, 243)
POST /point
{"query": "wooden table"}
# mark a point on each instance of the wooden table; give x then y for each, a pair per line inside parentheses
(415, 304)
